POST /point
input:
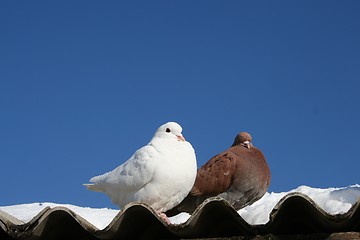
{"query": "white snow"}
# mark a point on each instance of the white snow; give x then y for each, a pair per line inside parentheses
(331, 200)
(99, 217)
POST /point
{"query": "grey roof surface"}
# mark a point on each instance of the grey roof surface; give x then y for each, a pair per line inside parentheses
(294, 215)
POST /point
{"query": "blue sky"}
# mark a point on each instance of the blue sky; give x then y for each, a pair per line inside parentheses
(83, 84)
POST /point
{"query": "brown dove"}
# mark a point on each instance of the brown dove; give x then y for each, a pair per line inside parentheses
(240, 175)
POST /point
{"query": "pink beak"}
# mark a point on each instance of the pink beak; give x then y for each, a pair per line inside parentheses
(180, 137)
(247, 144)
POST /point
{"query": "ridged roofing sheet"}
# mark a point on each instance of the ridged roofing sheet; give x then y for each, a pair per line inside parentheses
(295, 214)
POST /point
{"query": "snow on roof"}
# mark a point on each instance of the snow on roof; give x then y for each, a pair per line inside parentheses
(304, 210)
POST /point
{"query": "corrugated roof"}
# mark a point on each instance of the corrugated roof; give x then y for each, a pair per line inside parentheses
(295, 215)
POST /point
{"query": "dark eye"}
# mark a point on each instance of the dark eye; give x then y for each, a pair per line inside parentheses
(168, 130)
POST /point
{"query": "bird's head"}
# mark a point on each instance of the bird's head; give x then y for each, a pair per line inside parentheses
(170, 130)
(243, 139)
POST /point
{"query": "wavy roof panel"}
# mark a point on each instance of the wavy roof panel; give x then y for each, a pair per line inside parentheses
(295, 214)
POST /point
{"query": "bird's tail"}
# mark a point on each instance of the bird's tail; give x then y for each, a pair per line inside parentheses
(92, 187)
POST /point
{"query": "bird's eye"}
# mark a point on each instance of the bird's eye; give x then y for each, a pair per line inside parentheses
(168, 130)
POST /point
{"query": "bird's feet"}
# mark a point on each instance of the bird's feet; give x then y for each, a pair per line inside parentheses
(164, 218)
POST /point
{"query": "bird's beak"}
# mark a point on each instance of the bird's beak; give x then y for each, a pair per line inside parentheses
(247, 144)
(180, 137)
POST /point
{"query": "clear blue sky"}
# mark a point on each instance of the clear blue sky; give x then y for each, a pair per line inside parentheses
(83, 84)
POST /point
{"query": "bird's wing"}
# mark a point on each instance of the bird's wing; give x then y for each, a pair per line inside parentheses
(133, 175)
(215, 176)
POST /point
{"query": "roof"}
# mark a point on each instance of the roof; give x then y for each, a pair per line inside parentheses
(295, 215)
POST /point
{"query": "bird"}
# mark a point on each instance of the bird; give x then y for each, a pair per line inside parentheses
(159, 174)
(239, 175)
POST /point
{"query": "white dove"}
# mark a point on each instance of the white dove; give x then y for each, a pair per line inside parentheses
(160, 174)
